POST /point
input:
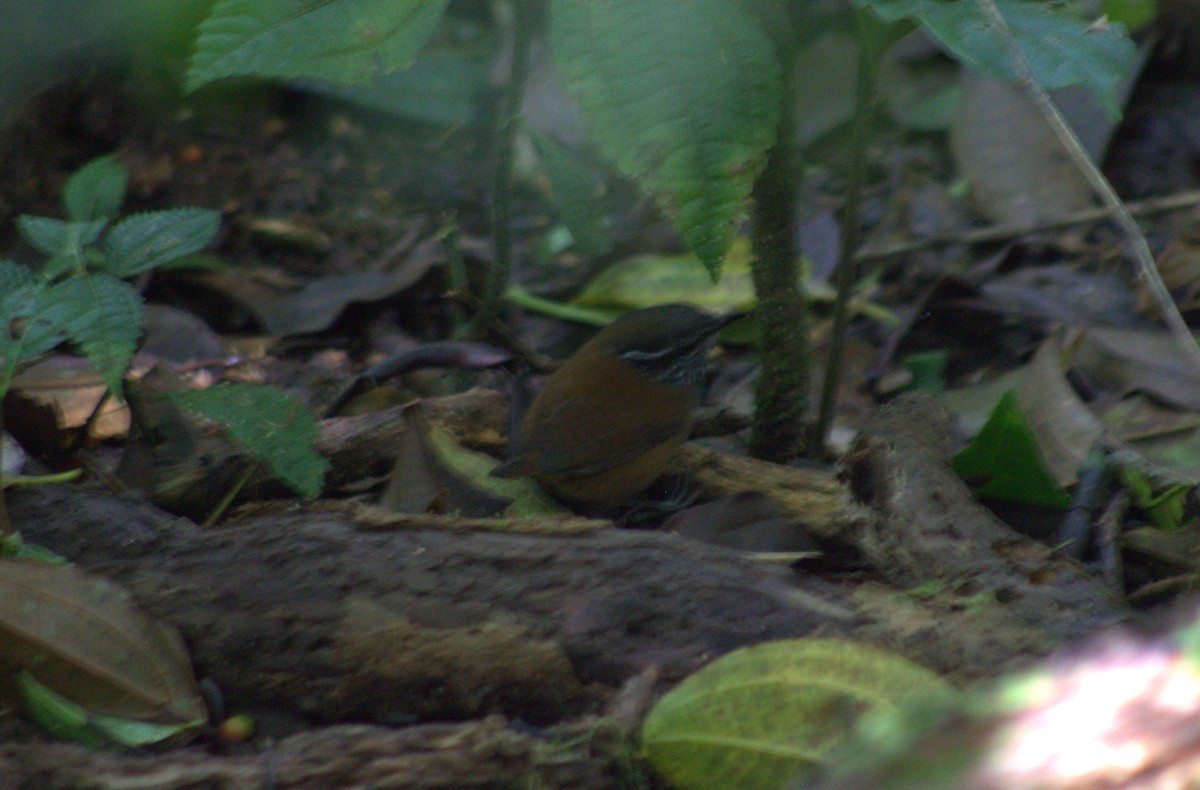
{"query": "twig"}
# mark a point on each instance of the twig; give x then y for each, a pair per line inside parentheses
(1155, 205)
(864, 110)
(507, 124)
(1129, 227)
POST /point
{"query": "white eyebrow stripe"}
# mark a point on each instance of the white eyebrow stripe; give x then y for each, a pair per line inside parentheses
(635, 353)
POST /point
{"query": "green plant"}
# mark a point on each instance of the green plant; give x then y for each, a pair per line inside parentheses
(697, 112)
(276, 427)
(80, 294)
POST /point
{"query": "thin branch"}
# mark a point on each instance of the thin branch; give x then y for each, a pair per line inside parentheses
(1162, 204)
(847, 270)
(507, 123)
(1141, 250)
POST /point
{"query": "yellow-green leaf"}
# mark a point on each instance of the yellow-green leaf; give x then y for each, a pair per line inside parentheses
(762, 715)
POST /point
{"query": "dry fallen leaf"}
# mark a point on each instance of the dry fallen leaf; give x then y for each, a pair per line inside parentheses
(84, 638)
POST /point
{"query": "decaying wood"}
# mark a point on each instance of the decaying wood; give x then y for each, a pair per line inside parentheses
(478, 754)
(371, 517)
(338, 613)
(992, 585)
(817, 500)
(307, 612)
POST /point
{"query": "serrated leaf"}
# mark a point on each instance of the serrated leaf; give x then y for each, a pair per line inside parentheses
(104, 319)
(83, 638)
(683, 95)
(347, 42)
(576, 194)
(58, 238)
(96, 190)
(1005, 455)
(144, 241)
(35, 321)
(273, 425)
(1061, 49)
(762, 715)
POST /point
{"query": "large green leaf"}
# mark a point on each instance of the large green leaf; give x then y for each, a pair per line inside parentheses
(683, 95)
(272, 424)
(340, 40)
(145, 241)
(104, 319)
(1062, 49)
(762, 715)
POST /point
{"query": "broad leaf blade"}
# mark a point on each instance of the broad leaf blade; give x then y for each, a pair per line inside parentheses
(104, 319)
(762, 715)
(1061, 49)
(272, 424)
(1007, 461)
(341, 41)
(82, 637)
(145, 241)
(96, 190)
(683, 95)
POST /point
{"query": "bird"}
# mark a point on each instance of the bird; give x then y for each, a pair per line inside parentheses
(610, 419)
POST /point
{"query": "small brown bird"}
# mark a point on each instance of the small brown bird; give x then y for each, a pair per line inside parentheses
(610, 420)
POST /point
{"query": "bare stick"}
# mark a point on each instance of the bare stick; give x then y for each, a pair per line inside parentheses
(1161, 204)
(1133, 234)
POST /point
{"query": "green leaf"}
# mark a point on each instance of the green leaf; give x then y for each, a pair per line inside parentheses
(646, 280)
(1133, 14)
(35, 321)
(441, 88)
(1061, 49)
(56, 237)
(344, 42)
(683, 95)
(104, 321)
(1006, 456)
(576, 193)
(525, 497)
(55, 713)
(96, 190)
(144, 241)
(1166, 509)
(273, 425)
(928, 369)
(14, 275)
(13, 547)
(67, 720)
(763, 715)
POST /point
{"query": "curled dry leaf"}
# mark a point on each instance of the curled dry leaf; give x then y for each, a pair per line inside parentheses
(84, 638)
